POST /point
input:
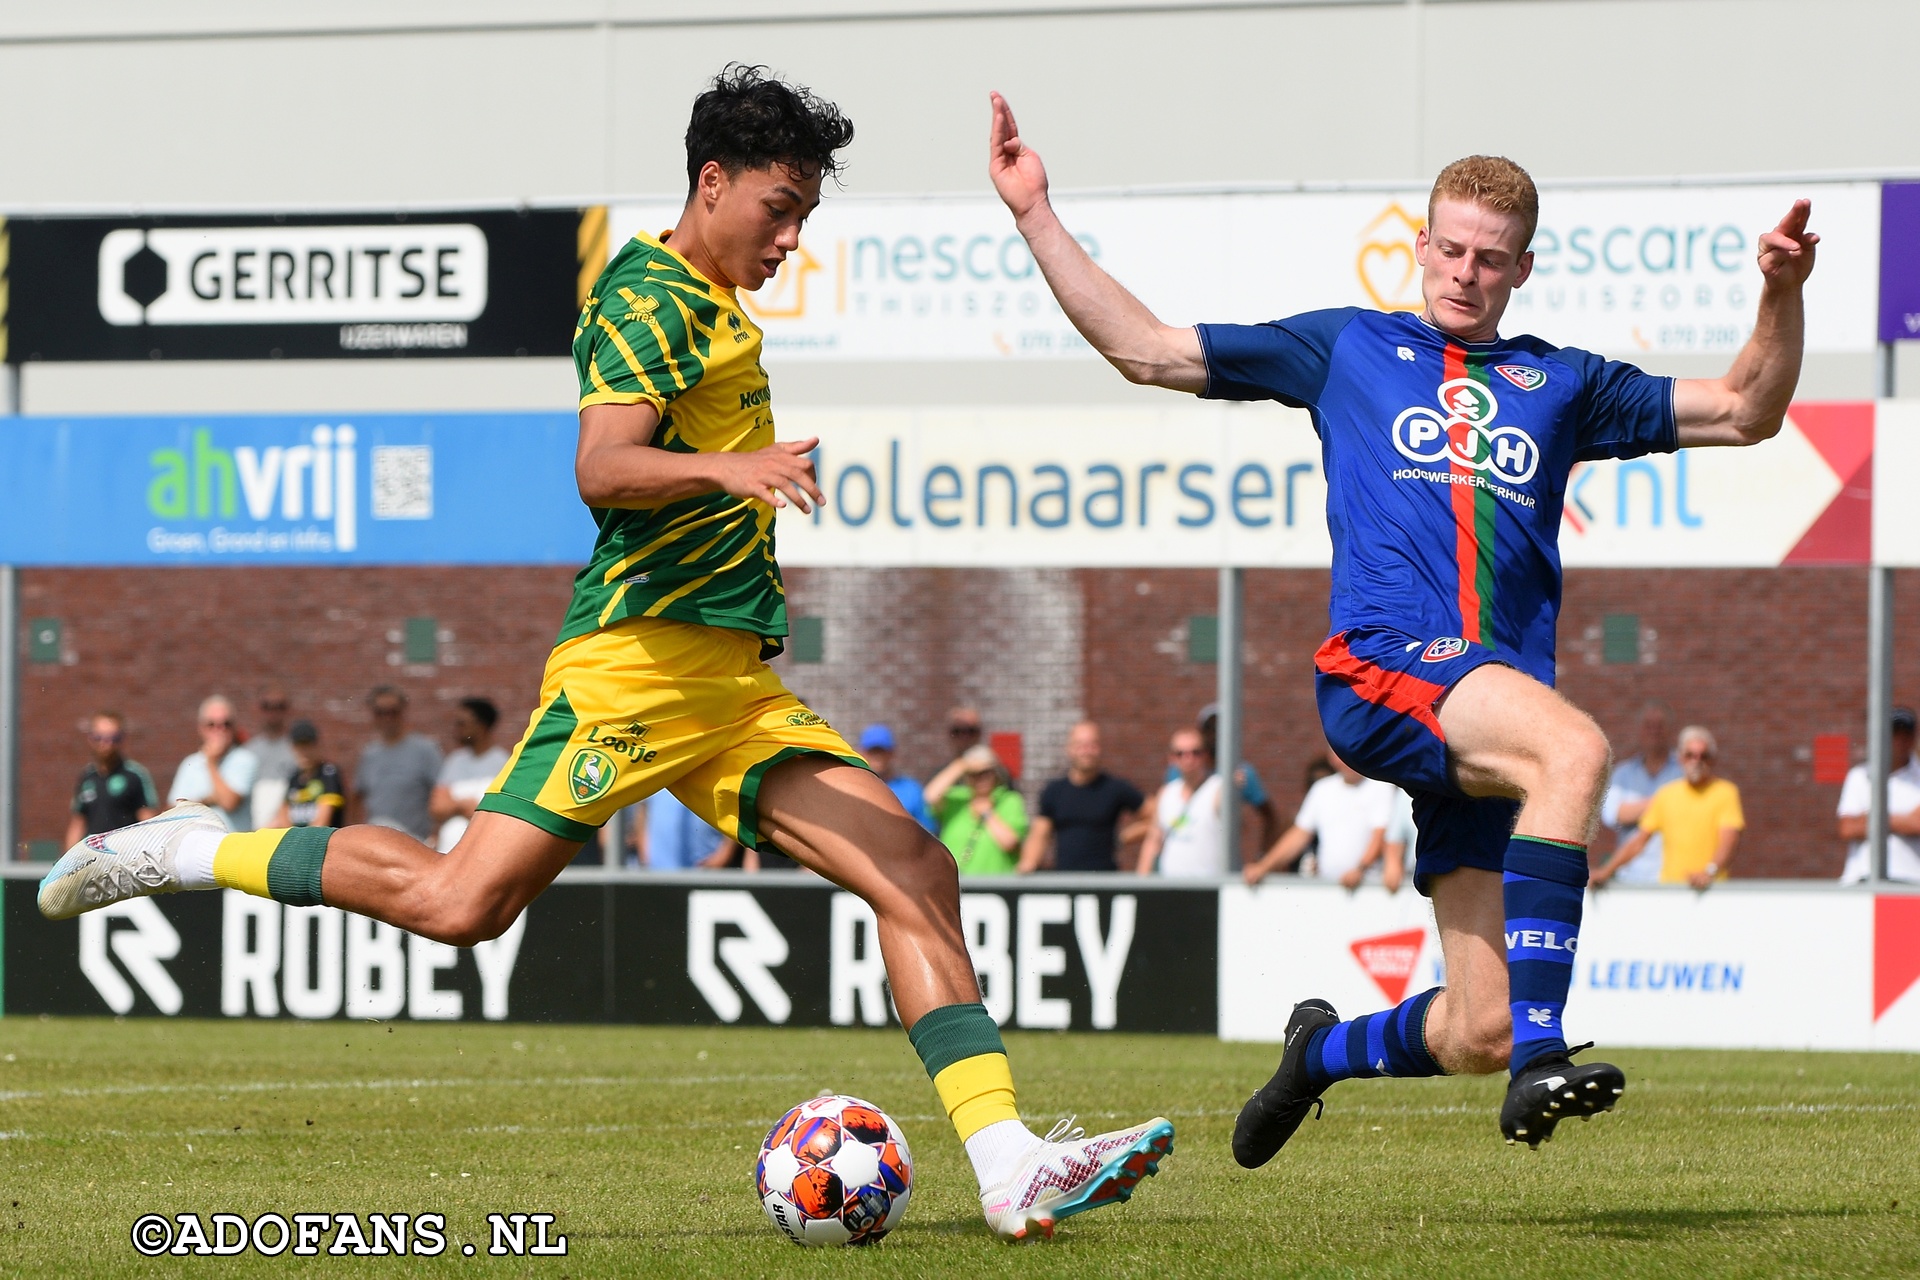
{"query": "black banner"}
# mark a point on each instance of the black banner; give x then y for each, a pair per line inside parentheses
(767, 950)
(294, 286)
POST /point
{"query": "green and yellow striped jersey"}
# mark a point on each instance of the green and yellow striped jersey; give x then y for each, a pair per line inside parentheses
(654, 330)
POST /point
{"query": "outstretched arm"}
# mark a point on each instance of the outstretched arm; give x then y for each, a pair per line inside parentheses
(1112, 320)
(1748, 405)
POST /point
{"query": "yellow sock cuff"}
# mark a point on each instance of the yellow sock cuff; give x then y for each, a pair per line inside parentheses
(977, 1092)
(241, 861)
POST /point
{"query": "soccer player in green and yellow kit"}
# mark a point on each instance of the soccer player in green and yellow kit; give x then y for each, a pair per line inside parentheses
(659, 678)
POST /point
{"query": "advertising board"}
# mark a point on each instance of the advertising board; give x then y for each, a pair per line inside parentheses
(294, 285)
(1622, 270)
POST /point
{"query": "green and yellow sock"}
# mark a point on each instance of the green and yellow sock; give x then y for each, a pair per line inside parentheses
(282, 864)
(963, 1052)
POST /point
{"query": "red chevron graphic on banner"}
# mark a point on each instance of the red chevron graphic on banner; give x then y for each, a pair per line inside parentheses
(1843, 435)
(1896, 949)
(1389, 959)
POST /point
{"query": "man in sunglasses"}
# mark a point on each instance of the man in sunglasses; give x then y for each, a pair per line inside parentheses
(221, 773)
(113, 790)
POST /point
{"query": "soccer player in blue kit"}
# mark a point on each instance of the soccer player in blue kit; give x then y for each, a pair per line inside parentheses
(1447, 450)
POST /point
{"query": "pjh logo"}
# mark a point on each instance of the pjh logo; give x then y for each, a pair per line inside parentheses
(1390, 959)
(311, 484)
(1462, 431)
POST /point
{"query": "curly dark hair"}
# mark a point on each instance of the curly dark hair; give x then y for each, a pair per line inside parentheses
(748, 119)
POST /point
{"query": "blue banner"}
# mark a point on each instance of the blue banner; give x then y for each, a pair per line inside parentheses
(314, 489)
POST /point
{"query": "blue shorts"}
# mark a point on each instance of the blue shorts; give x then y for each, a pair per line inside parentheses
(1378, 692)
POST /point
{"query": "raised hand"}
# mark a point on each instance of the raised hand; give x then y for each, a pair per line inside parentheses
(1015, 167)
(1786, 252)
(779, 474)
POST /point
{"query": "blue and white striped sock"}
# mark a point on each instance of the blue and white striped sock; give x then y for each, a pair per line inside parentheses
(1392, 1042)
(1545, 881)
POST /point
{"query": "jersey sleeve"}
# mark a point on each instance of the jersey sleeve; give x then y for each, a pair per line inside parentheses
(79, 789)
(1130, 797)
(1623, 411)
(149, 792)
(1308, 819)
(1284, 360)
(636, 347)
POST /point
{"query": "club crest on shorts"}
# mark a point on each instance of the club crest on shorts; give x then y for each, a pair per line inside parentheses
(1443, 648)
(1525, 377)
(591, 774)
(803, 718)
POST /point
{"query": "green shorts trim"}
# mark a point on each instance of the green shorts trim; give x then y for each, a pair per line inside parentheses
(527, 811)
(750, 786)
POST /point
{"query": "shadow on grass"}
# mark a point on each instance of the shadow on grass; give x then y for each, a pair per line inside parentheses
(1663, 1224)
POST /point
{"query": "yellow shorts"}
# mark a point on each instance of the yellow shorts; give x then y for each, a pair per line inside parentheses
(649, 704)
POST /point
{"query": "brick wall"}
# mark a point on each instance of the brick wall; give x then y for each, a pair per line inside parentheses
(1768, 659)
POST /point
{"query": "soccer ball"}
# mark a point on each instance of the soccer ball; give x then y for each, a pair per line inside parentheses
(834, 1170)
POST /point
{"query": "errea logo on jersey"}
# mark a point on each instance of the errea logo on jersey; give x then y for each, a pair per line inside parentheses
(1461, 431)
(1525, 377)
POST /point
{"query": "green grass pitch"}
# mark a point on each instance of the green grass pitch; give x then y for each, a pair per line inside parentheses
(642, 1141)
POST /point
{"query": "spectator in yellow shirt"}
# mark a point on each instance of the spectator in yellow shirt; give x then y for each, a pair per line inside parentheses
(1697, 816)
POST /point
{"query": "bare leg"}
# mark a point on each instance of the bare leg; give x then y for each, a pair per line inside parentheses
(1469, 1025)
(847, 825)
(1509, 735)
(463, 897)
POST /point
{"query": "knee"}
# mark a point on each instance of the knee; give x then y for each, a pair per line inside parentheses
(463, 918)
(1582, 755)
(924, 876)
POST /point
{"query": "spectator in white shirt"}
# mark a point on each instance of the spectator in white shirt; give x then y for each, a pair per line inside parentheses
(1188, 837)
(1903, 809)
(1346, 815)
(466, 774)
(220, 774)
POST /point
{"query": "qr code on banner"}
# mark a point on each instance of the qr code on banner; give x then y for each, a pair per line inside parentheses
(403, 482)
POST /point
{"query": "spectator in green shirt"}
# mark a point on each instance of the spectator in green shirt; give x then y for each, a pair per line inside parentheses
(982, 819)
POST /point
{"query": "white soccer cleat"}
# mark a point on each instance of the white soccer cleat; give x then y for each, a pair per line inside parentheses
(131, 862)
(1062, 1178)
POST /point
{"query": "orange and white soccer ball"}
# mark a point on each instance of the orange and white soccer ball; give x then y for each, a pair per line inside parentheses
(835, 1170)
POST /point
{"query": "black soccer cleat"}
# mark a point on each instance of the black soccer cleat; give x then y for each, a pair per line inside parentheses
(1277, 1108)
(1551, 1089)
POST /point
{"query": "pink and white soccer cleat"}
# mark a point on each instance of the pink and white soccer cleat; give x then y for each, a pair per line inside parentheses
(1068, 1174)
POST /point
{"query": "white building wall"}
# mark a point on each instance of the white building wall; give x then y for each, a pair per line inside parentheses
(431, 102)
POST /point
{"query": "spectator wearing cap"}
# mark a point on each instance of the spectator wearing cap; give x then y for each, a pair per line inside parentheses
(877, 745)
(113, 791)
(982, 819)
(1698, 814)
(316, 794)
(1903, 809)
(221, 773)
(468, 770)
(1085, 816)
(393, 783)
(1634, 781)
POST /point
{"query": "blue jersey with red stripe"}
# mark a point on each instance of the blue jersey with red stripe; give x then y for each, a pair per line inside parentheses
(1446, 462)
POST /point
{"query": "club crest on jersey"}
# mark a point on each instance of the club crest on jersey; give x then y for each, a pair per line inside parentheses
(1525, 377)
(1461, 432)
(1443, 648)
(590, 776)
